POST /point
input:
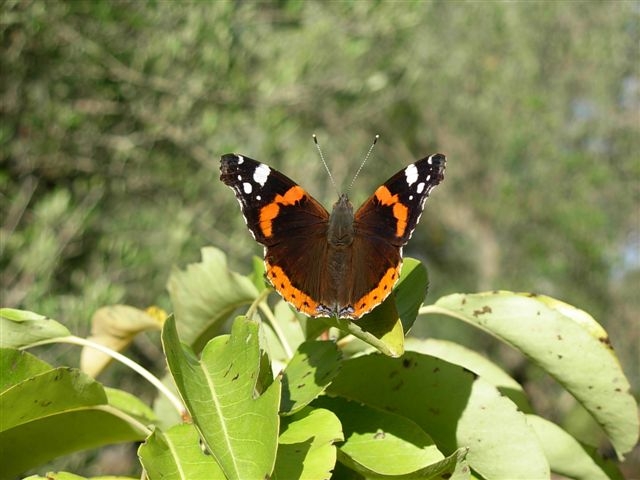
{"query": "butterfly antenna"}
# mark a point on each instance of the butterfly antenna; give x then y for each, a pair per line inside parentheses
(373, 144)
(315, 139)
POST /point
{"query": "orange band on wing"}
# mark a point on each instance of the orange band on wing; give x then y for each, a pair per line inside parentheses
(378, 294)
(400, 211)
(300, 300)
(271, 210)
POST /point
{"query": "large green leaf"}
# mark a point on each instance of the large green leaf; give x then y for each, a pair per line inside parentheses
(239, 428)
(205, 294)
(567, 343)
(177, 455)
(64, 404)
(456, 408)
(19, 328)
(306, 447)
(312, 368)
(373, 436)
(473, 361)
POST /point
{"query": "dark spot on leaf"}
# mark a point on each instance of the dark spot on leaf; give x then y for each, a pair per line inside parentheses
(436, 370)
(435, 411)
(590, 387)
(559, 337)
(406, 362)
(306, 374)
(605, 340)
(618, 390)
(235, 378)
(532, 295)
(379, 435)
(445, 475)
(300, 385)
(398, 385)
(485, 309)
(598, 407)
(559, 357)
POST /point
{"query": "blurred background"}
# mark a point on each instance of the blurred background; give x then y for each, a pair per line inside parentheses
(115, 114)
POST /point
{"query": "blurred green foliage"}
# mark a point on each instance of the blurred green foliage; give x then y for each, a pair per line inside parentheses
(114, 115)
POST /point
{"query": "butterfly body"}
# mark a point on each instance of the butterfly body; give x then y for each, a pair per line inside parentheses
(331, 264)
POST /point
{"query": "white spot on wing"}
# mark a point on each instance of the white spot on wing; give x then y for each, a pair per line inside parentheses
(420, 187)
(411, 172)
(261, 174)
(258, 197)
(246, 186)
(240, 159)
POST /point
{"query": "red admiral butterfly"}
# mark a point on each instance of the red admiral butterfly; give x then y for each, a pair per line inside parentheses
(341, 264)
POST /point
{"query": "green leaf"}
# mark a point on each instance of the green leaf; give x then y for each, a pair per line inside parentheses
(20, 328)
(567, 343)
(240, 429)
(18, 365)
(452, 405)
(373, 436)
(177, 455)
(205, 295)
(566, 455)
(473, 361)
(62, 402)
(306, 445)
(114, 326)
(309, 372)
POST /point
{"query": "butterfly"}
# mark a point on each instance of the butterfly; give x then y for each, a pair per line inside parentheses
(342, 263)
